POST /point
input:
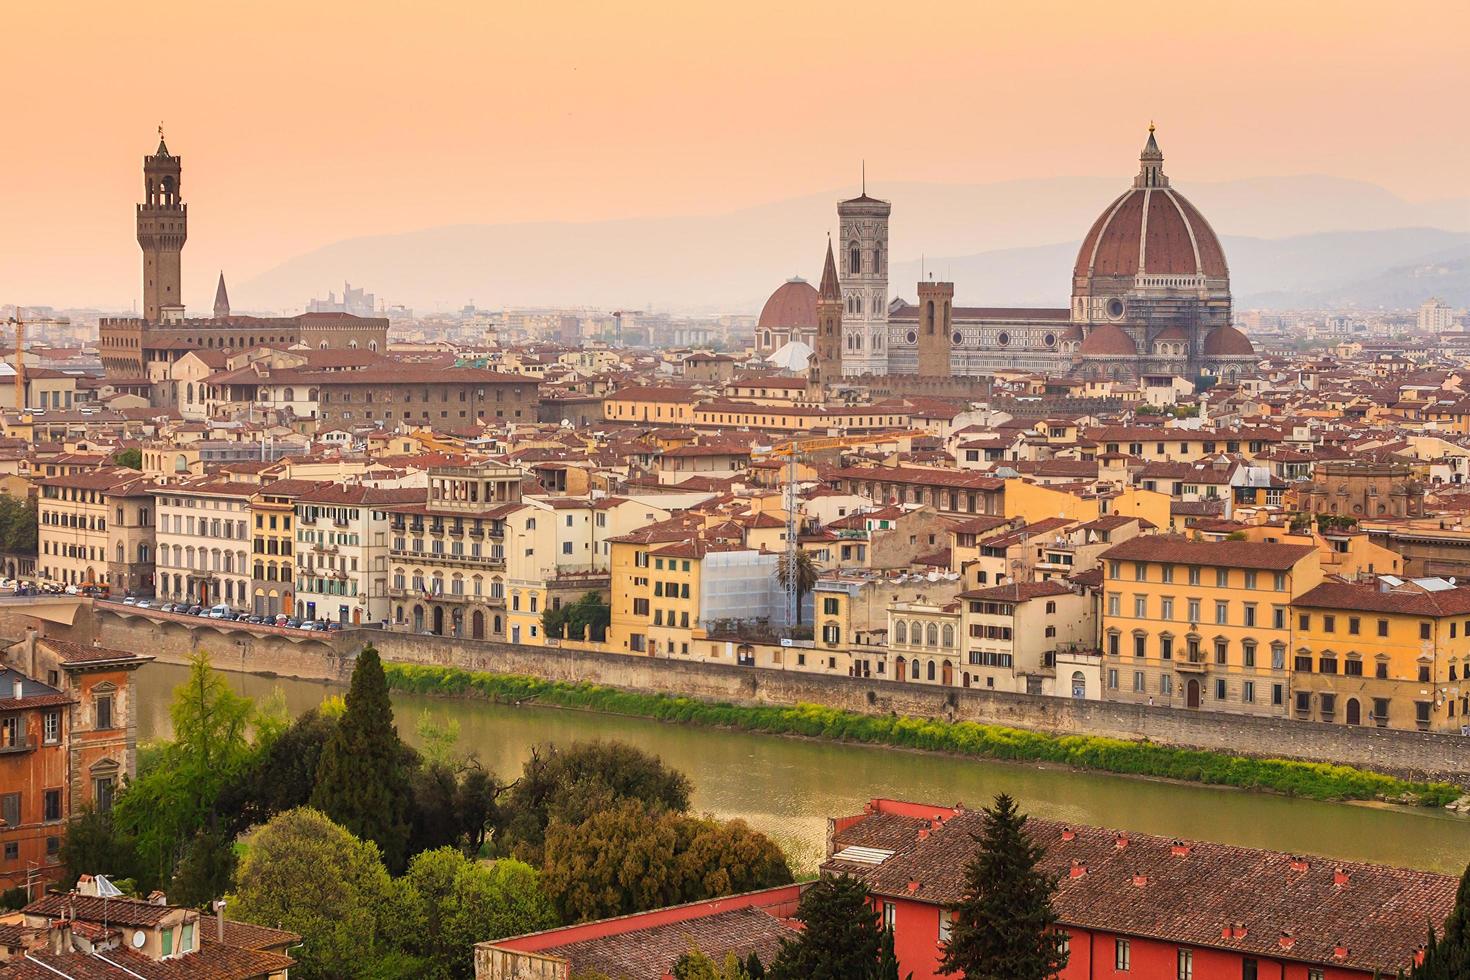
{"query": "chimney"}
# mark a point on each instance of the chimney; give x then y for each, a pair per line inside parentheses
(1120, 841)
(1286, 939)
(1238, 931)
(1339, 950)
(32, 666)
(1069, 834)
(1140, 881)
(1179, 849)
(1299, 863)
(1079, 869)
(913, 887)
(923, 833)
(17, 689)
(219, 921)
(60, 936)
(1340, 877)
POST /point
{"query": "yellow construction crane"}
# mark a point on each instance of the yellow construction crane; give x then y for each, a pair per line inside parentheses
(792, 450)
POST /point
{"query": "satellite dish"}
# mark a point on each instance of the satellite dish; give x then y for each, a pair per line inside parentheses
(139, 938)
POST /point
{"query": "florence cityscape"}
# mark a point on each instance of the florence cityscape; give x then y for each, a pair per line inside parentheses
(681, 492)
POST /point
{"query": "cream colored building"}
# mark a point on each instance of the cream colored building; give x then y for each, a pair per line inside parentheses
(96, 528)
(1030, 638)
(204, 542)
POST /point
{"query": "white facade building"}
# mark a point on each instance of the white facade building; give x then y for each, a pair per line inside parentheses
(203, 542)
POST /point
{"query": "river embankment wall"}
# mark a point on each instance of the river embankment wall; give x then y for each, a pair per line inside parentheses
(292, 653)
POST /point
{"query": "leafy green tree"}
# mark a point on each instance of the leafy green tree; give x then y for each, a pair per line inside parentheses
(1447, 955)
(841, 935)
(1004, 928)
(281, 777)
(439, 740)
(304, 873)
(93, 844)
(628, 858)
(206, 870)
(449, 903)
(695, 965)
(362, 777)
(582, 779)
(131, 458)
(17, 525)
(162, 811)
(801, 568)
(587, 618)
(726, 858)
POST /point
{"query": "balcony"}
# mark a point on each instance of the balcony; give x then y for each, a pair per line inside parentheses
(1196, 664)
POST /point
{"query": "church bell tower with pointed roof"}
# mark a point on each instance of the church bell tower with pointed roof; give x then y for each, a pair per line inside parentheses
(163, 227)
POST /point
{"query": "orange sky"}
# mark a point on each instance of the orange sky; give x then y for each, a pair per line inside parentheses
(307, 121)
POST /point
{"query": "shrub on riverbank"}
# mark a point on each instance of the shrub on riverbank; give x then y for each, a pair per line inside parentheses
(1315, 780)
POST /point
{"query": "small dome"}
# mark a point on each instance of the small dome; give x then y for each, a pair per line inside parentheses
(1108, 340)
(793, 304)
(1173, 334)
(1226, 341)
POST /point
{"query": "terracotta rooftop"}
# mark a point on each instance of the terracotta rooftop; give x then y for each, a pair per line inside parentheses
(1178, 550)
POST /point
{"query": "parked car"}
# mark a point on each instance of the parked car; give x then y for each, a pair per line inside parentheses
(143, 604)
(334, 626)
(220, 611)
(166, 607)
(292, 623)
(191, 611)
(130, 601)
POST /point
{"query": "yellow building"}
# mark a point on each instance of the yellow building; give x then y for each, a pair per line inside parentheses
(657, 404)
(1202, 624)
(272, 549)
(1392, 653)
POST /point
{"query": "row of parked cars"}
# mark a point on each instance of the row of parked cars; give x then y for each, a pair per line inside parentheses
(224, 612)
(23, 588)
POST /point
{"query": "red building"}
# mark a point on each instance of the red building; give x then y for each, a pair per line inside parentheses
(68, 735)
(1136, 906)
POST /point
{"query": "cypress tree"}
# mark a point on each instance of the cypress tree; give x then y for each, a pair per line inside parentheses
(1447, 956)
(887, 968)
(361, 781)
(841, 937)
(1004, 926)
(754, 967)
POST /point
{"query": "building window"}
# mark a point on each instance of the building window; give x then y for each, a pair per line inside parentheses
(53, 804)
(1248, 969)
(890, 916)
(946, 919)
(104, 712)
(51, 727)
(1122, 955)
(10, 809)
(1220, 689)
(1186, 964)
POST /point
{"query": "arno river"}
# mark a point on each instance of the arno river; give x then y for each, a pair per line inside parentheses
(789, 787)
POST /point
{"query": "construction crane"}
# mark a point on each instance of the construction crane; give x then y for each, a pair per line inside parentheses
(794, 449)
(19, 323)
(618, 320)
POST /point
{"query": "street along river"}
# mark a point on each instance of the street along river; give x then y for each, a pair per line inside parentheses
(789, 787)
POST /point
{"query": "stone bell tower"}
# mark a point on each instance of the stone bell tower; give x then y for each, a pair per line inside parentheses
(826, 362)
(163, 226)
(936, 322)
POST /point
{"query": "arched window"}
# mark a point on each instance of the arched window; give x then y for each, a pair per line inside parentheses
(933, 640)
(931, 670)
(915, 671)
(948, 635)
(290, 394)
(929, 317)
(189, 392)
(854, 259)
(373, 346)
(900, 632)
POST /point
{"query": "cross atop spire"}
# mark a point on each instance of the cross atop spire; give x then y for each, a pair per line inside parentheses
(1151, 164)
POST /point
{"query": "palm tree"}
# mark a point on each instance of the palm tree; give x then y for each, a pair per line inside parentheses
(801, 567)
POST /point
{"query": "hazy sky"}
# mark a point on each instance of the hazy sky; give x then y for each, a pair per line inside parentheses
(304, 122)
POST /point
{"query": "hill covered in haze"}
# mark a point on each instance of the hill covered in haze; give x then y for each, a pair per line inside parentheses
(1005, 243)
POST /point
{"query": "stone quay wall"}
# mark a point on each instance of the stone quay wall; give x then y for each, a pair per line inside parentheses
(292, 653)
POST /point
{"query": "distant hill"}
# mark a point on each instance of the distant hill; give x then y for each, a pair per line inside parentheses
(1306, 229)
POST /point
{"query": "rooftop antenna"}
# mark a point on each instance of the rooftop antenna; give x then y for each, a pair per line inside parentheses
(865, 178)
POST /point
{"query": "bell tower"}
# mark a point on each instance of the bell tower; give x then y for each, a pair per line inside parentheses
(936, 321)
(163, 226)
(826, 362)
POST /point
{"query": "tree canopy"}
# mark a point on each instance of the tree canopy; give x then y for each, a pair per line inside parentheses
(841, 936)
(17, 525)
(1004, 928)
(588, 618)
(304, 873)
(362, 782)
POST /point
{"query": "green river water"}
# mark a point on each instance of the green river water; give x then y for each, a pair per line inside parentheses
(789, 787)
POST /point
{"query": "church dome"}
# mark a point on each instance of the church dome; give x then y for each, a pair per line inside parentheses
(1226, 341)
(1108, 340)
(793, 304)
(1151, 230)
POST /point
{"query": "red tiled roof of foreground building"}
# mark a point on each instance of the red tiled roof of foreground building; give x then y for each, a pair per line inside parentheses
(1179, 892)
